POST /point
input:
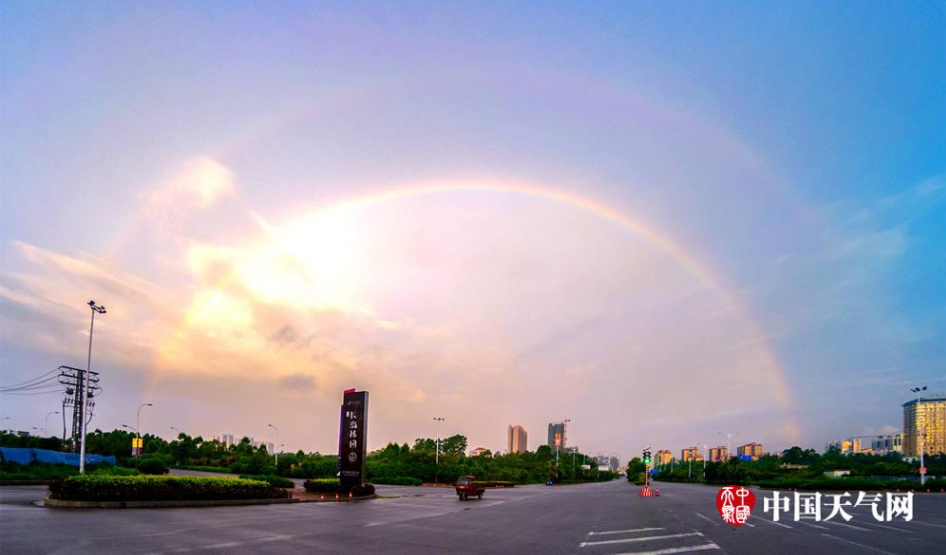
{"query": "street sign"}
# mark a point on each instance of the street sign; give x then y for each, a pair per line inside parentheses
(922, 470)
(586, 467)
(653, 471)
(353, 438)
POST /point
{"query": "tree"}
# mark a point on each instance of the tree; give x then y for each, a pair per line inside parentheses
(454, 445)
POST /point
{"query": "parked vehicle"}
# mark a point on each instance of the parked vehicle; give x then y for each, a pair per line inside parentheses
(466, 488)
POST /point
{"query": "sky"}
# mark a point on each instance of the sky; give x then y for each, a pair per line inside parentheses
(664, 222)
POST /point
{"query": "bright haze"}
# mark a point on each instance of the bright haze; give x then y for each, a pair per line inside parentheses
(659, 221)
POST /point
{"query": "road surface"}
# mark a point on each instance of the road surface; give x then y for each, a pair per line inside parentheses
(593, 519)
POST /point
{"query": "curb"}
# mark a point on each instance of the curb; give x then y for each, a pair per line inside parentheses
(65, 504)
(340, 499)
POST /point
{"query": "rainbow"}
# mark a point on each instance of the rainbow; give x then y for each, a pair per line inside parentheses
(604, 212)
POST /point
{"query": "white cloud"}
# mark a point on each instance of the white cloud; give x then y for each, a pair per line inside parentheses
(200, 183)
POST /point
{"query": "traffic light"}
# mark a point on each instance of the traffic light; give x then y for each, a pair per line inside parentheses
(647, 457)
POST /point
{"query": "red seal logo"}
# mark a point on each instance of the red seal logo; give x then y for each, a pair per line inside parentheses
(735, 504)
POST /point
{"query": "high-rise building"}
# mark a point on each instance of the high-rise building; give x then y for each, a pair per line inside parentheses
(663, 457)
(845, 446)
(518, 440)
(691, 454)
(557, 436)
(751, 450)
(270, 448)
(719, 454)
(924, 426)
(882, 445)
(615, 463)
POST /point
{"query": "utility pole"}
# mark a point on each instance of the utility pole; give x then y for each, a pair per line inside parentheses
(75, 387)
(88, 369)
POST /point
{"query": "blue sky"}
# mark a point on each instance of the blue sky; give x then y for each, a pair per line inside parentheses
(797, 151)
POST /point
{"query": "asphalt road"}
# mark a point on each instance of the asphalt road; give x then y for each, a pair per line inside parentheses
(594, 519)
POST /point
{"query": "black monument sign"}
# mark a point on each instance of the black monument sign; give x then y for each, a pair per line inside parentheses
(353, 437)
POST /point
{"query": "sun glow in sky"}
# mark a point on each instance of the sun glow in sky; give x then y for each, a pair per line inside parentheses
(658, 222)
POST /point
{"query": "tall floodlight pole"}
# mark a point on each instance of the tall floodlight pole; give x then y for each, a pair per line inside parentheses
(138, 429)
(275, 455)
(46, 424)
(85, 385)
(919, 432)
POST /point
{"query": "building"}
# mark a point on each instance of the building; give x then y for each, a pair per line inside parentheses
(479, 451)
(883, 445)
(752, 451)
(557, 436)
(663, 457)
(924, 426)
(615, 464)
(517, 440)
(270, 448)
(848, 446)
(719, 454)
(691, 454)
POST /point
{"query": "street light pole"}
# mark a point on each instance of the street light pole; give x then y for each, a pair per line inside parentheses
(729, 444)
(438, 420)
(46, 424)
(138, 430)
(85, 396)
(920, 433)
(276, 455)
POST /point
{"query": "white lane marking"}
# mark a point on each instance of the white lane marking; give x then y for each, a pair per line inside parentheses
(864, 545)
(707, 520)
(887, 527)
(775, 523)
(749, 525)
(928, 524)
(623, 531)
(846, 525)
(815, 526)
(671, 550)
(642, 539)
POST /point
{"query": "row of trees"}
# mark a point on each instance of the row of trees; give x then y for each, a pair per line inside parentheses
(393, 461)
(799, 463)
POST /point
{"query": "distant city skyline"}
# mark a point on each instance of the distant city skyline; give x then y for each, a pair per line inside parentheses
(660, 223)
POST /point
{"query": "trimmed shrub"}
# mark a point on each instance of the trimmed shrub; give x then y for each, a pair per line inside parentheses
(844, 484)
(39, 472)
(494, 483)
(161, 488)
(219, 469)
(152, 465)
(398, 481)
(332, 486)
(272, 480)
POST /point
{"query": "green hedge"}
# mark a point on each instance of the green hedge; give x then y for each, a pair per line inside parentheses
(272, 480)
(332, 486)
(46, 472)
(494, 483)
(849, 484)
(398, 480)
(161, 488)
(220, 469)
